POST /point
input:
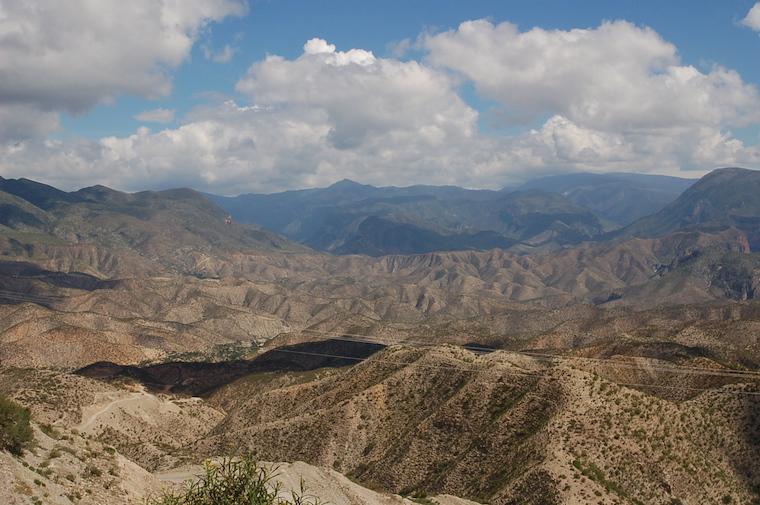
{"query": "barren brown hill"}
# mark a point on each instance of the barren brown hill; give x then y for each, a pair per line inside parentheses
(504, 429)
(498, 428)
(55, 316)
(98, 443)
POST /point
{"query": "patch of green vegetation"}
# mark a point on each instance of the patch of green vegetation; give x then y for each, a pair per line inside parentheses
(219, 353)
(509, 399)
(593, 472)
(234, 482)
(422, 498)
(32, 237)
(15, 431)
(50, 431)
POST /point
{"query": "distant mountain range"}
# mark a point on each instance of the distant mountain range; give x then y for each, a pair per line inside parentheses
(157, 227)
(352, 218)
(169, 258)
(619, 198)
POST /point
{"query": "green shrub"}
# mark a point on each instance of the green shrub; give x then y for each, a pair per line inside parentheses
(233, 482)
(50, 431)
(92, 471)
(421, 497)
(15, 430)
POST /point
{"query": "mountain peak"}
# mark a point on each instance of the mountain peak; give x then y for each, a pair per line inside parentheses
(97, 191)
(38, 194)
(346, 184)
(727, 177)
(180, 194)
(728, 172)
(732, 169)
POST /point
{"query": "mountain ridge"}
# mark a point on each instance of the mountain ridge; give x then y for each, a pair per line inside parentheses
(726, 197)
(348, 217)
(149, 226)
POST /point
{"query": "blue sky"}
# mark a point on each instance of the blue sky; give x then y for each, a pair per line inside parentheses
(233, 95)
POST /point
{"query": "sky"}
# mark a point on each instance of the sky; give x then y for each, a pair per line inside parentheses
(235, 96)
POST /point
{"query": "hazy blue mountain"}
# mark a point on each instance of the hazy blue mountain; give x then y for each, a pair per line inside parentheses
(619, 198)
(727, 197)
(348, 217)
(376, 236)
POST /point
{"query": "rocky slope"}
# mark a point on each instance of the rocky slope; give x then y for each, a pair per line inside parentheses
(724, 198)
(496, 428)
(97, 443)
(66, 319)
(504, 429)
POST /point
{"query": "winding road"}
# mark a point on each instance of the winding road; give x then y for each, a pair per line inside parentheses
(89, 419)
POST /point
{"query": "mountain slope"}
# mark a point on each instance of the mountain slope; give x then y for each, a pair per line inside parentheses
(620, 198)
(49, 317)
(98, 443)
(160, 227)
(190, 283)
(40, 195)
(376, 236)
(158, 224)
(723, 198)
(502, 429)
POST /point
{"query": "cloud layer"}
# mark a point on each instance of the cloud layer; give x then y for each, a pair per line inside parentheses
(617, 92)
(363, 99)
(616, 77)
(613, 98)
(69, 56)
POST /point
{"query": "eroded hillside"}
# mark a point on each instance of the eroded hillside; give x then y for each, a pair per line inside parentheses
(496, 428)
(53, 316)
(505, 429)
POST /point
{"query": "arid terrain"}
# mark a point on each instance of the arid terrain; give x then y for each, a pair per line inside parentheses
(496, 428)
(147, 335)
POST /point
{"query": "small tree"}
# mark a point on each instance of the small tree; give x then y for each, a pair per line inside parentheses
(15, 430)
(234, 482)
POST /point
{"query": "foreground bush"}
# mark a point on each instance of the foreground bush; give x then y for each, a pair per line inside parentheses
(15, 430)
(233, 482)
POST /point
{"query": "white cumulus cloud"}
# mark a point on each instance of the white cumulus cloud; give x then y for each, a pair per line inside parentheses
(361, 98)
(68, 56)
(615, 77)
(752, 20)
